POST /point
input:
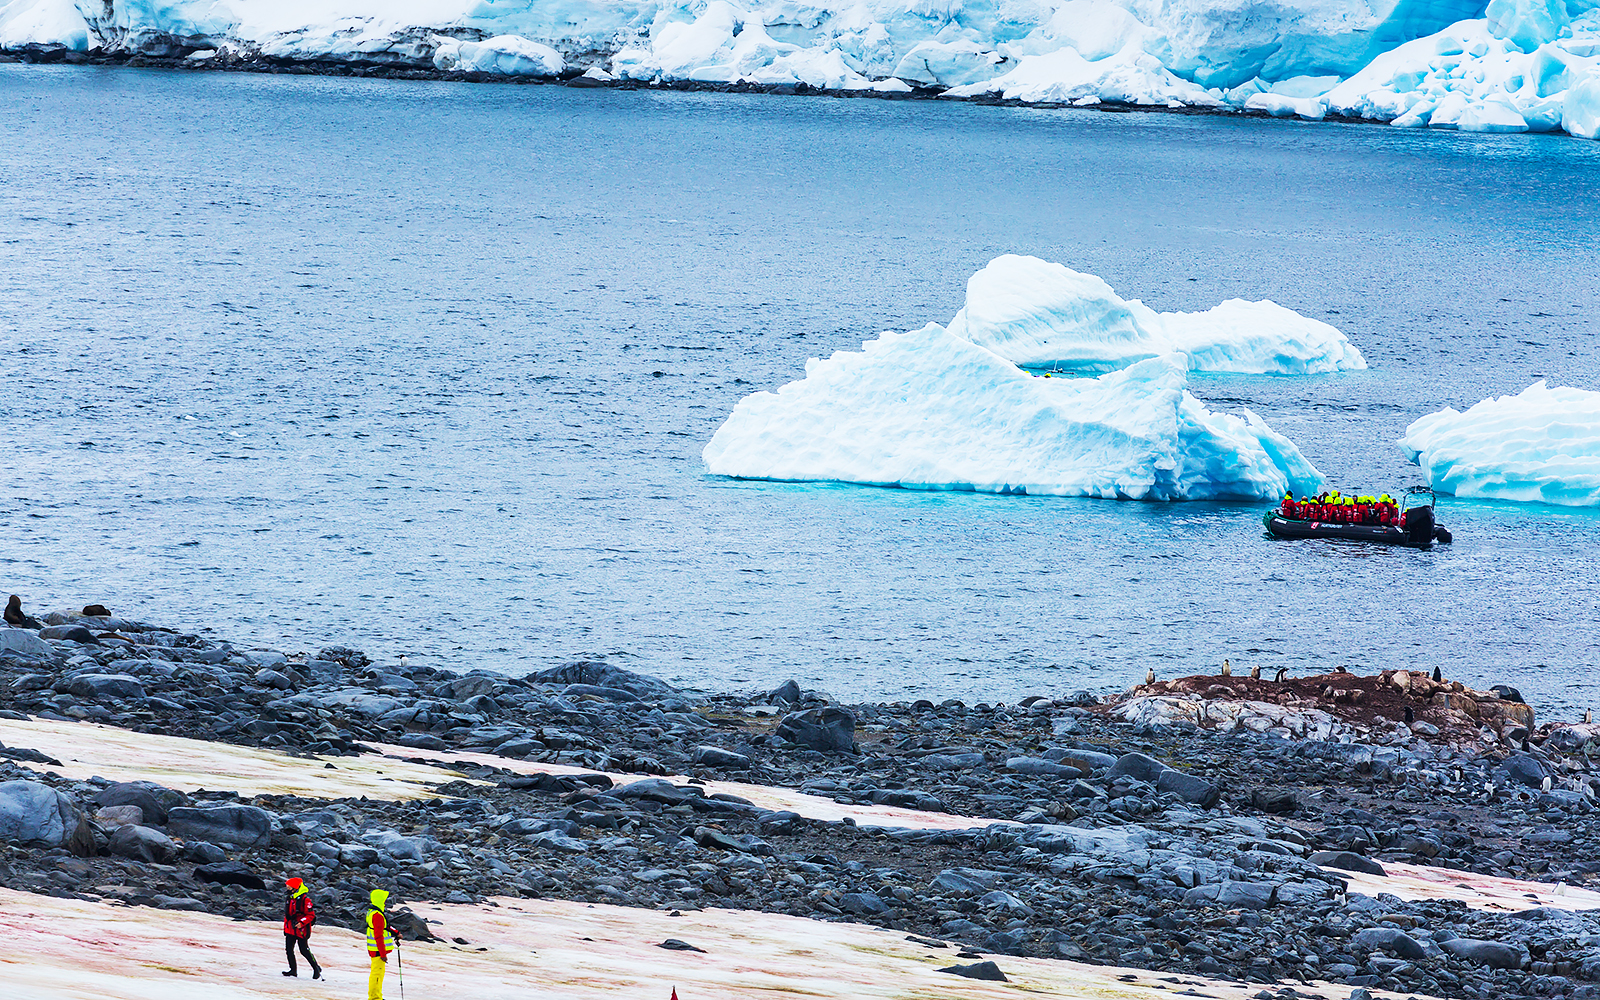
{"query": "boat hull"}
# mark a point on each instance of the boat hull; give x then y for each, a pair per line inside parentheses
(1282, 527)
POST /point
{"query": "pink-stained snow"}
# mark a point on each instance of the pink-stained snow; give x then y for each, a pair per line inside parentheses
(70, 949)
(1481, 892)
(765, 796)
(86, 750)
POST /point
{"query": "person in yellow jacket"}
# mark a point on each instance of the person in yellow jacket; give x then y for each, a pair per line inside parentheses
(381, 940)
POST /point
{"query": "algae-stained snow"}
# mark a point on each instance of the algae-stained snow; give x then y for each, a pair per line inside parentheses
(69, 949)
(87, 750)
(1540, 445)
(931, 410)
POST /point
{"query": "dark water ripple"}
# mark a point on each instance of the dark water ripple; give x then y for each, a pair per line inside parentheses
(427, 368)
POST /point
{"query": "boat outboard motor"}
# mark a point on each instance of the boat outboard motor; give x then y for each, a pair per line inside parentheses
(1419, 525)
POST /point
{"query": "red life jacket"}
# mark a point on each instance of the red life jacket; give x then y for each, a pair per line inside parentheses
(298, 916)
(1287, 507)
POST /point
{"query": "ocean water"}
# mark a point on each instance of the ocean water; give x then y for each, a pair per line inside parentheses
(427, 368)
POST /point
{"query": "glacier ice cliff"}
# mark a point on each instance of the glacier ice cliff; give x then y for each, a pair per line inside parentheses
(929, 410)
(1504, 65)
(1540, 445)
(1040, 314)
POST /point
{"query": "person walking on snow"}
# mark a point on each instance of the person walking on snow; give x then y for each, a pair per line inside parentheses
(380, 941)
(298, 916)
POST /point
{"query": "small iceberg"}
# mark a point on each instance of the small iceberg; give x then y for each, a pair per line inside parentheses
(1045, 315)
(932, 410)
(1542, 445)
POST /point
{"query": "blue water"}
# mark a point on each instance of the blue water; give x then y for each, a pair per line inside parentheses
(427, 368)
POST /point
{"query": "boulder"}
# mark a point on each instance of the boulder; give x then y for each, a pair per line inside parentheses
(26, 645)
(1137, 766)
(152, 799)
(112, 817)
(230, 873)
(978, 970)
(788, 692)
(1491, 953)
(33, 814)
(1038, 765)
(71, 633)
(605, 675)
(658, 790)
(1347, 861)
(97, 686)
(827, 729)
(1232, 895)
(141, 843)
(863, 903)
(1390, 939)
(241, 826)
(717, 757)
(952, 761)
(1521, 769)
(602, 692)
(1188, 787)
(1084, 760)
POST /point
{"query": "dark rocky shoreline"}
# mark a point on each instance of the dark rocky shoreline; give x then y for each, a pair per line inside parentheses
(48, 55)
(1164, 847)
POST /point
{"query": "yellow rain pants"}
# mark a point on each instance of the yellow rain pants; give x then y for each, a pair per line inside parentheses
(375, 980)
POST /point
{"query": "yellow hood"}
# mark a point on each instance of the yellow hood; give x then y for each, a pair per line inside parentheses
(380, 898)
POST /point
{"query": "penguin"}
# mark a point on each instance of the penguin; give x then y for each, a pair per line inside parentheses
(1588, 716)
(1150, 675)
(1227, 669)
(1283, 673)
(1410, 715)
(1255, 672)
(1340, 669)
(15, 617)
(1544, 786)
(1438, 676)
(405, 661)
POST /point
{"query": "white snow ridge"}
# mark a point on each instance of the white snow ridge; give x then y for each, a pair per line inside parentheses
(1541, 445)
(930, 410)
(1044, 315)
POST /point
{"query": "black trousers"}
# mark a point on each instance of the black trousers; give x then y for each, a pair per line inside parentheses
(289, 941)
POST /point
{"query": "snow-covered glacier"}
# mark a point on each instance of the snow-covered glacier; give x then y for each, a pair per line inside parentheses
(1040, 314)
(1540, 445)
(1501, 65)
(931, 410)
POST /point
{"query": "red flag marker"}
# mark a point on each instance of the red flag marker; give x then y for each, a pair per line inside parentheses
(674, 993)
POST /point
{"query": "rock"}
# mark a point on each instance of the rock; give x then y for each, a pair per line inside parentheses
(112, 817)
(1188, 787)
(1347, 861)
(1232, 895)
(557, 841)
(1036, 765)
(673, 944)
(275, 679)
(602, 692)
(141, 843)
(705, 836)
(1390, 939)
(203, 853)
(152, 799)
(1521, 768)
(35, 815)
(952, 761)
(241, 826)
(863, 903)
(178, 903)
(359, 855)
(1491, 953)
(26, 645)
(788, 693)
(604, 675)
(718, 757)
(1274, 800)
(99, 686)
(1137, 766)
(1084, 760)
(230, 873)
(657, 790)
(979, 970)
(96, 611)
(827, 729)
(958, 882)
(398, 846)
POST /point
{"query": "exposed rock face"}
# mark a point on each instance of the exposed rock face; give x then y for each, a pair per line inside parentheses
(36, 815)
(242, 826)
(828, 729)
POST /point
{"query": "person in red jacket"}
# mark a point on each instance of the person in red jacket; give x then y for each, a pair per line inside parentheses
(298, 916)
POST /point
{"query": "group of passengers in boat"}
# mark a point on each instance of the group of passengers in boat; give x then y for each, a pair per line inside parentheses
(1336, 508)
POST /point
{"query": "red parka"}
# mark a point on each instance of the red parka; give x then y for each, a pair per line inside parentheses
(298, 916)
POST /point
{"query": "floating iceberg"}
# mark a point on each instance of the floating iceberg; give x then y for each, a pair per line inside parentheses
(933, 411)
(1045, 315)
(1542, 445)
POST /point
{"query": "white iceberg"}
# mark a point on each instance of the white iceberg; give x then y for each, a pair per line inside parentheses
(1541, 445)
(1045, 315)
(929, 410)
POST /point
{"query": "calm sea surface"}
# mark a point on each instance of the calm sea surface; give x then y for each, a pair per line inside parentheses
(427, 368)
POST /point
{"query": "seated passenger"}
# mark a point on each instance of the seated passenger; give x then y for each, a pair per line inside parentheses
(1286, 508)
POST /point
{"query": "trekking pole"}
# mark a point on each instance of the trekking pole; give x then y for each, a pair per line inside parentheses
(400, 970)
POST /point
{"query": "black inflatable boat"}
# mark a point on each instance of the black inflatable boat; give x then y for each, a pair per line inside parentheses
(1419, 531)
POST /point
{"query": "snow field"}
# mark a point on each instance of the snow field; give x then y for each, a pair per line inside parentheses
(1510, 66)
(1540, 445)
